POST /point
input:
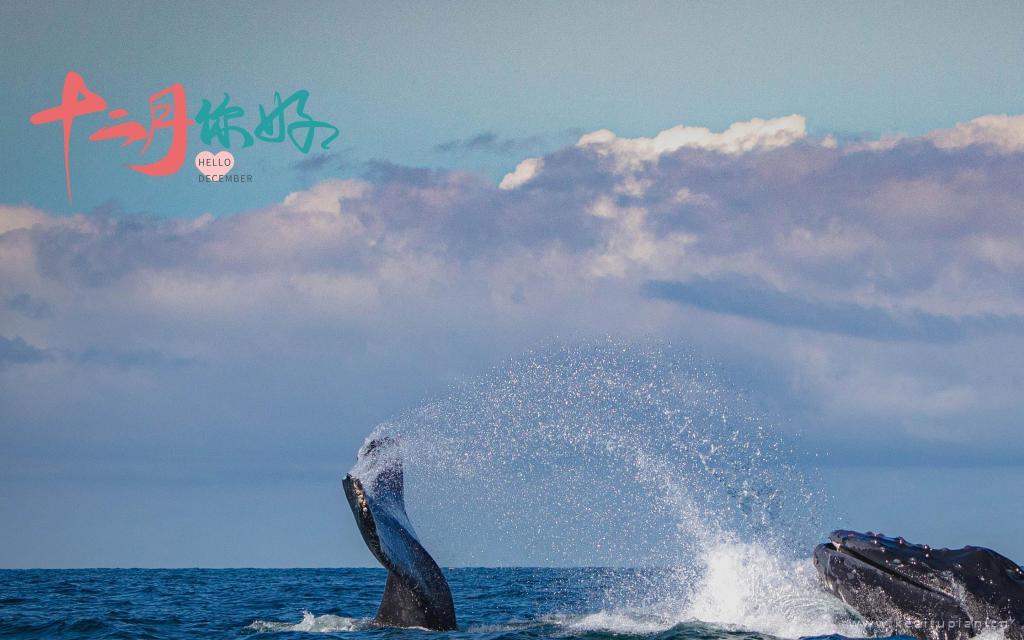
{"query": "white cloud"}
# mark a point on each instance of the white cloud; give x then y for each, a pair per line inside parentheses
(928, 233)
(12, 218)
(326, 196)
(740, 137)
(1000, 133)
(524, 172)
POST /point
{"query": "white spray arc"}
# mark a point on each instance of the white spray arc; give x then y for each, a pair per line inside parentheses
(607, 454)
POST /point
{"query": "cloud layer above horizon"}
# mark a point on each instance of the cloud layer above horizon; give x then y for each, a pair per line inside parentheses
(858, 288)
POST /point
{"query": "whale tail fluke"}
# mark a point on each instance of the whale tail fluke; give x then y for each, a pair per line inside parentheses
(416, 593)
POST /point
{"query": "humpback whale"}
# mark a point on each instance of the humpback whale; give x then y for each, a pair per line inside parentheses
(912, 589)
(416, 593)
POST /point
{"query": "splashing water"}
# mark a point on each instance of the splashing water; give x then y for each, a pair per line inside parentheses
(613, 455)
(746, 586)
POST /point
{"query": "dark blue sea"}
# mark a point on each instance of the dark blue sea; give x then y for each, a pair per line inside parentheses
(293, 603)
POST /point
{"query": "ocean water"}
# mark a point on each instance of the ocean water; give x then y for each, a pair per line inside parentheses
(505, 603)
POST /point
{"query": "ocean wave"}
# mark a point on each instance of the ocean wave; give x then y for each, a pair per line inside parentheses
(311, 623)
(623, 622)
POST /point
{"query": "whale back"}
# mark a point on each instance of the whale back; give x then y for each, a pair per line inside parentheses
(416, 593)
(939, 594)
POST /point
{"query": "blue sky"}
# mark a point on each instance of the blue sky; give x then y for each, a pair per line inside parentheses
(821, 198)
(400, 79)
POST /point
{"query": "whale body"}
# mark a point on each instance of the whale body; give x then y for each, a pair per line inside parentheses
(912, 589)
(416, 593)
